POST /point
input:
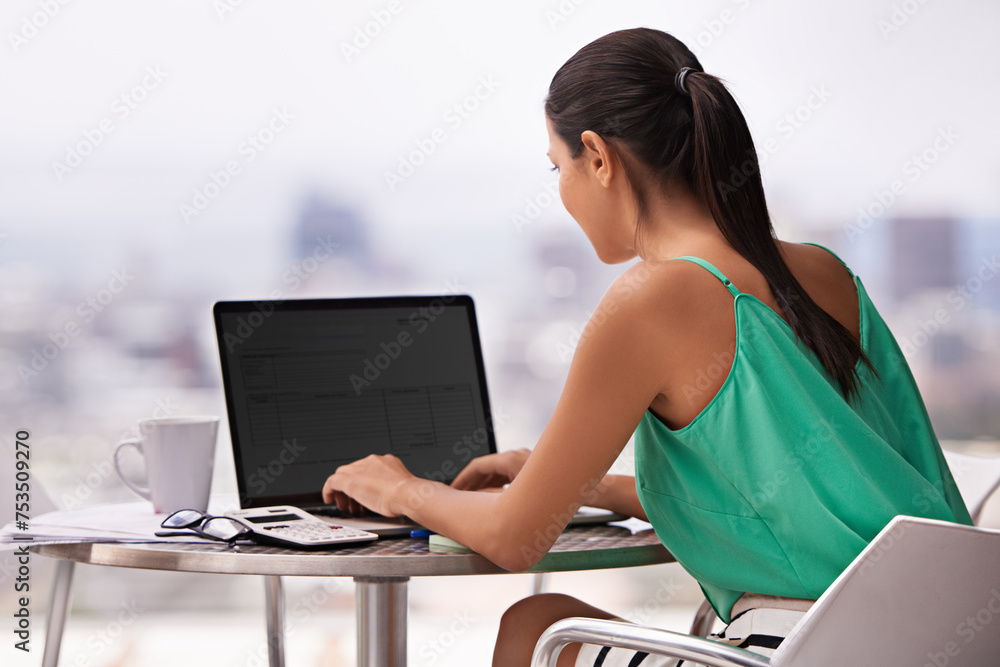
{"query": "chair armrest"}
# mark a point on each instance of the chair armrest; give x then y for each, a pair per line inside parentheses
(639, 638)
(704, 620)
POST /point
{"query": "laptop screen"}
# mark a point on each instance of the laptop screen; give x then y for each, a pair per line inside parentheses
(313, 384)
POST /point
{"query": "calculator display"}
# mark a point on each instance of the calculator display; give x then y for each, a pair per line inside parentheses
(271, 518)
(291, 527)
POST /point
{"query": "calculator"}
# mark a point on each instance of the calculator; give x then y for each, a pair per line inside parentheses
(289, 526)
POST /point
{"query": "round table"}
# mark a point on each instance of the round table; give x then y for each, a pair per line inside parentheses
(380, 570)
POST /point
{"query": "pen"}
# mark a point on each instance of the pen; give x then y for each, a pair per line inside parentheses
(421, 533)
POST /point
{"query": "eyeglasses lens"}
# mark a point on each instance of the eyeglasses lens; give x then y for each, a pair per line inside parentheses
(183, 519)
(224, 528)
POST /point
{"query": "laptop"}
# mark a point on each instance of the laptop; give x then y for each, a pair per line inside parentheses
(313, 384)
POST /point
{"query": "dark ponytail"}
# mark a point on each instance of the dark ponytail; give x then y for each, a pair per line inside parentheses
(622, 86)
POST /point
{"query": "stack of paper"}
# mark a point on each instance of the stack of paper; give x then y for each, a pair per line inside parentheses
(118, 522)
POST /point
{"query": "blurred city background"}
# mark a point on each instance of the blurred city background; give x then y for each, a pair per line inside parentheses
(160, 157)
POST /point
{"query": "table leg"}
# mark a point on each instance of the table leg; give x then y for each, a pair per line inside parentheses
(275, 601)
(539, 582)
(381, 616)
(58, 611)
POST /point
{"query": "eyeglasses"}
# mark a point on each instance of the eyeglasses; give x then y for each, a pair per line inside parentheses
(221, 528)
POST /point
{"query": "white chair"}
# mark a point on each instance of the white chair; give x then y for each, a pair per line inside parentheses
(923, 592)
(977, 478)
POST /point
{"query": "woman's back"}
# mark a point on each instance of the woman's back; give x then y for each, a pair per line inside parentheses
(692, 313)
(777, 465)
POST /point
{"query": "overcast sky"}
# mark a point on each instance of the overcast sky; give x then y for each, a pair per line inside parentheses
(199, 79)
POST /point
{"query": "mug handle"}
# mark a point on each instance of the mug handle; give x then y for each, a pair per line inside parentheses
(130, 442)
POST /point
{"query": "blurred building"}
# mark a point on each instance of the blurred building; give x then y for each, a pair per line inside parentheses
(337, 225)
(924, 255)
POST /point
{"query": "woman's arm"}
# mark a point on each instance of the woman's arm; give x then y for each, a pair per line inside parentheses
(612, 381)
(616, 493)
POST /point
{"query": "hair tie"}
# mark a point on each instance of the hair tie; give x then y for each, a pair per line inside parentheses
(679, 80)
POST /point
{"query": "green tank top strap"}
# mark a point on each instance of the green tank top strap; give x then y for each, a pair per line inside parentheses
(714, 271)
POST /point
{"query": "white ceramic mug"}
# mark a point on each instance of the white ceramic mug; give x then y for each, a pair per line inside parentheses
(179, 453)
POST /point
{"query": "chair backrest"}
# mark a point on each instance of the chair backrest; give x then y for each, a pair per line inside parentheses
(977, 478)
(923, 593)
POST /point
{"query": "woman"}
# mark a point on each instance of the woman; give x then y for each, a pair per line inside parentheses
(777, 426)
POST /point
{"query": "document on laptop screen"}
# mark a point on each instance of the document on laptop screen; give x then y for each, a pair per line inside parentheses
(312, 389)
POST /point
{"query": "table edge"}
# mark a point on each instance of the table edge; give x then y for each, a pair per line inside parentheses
(153, 556)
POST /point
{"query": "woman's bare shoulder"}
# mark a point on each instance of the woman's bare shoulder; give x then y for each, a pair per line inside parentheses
(816, 268)
(809, 257)
(826, 279)
(652, 306)
(650, 287)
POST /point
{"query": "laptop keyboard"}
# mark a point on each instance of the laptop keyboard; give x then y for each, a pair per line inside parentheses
(326, 511)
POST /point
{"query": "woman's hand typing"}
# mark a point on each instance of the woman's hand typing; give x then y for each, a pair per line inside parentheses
(373, 482)
(491, 471)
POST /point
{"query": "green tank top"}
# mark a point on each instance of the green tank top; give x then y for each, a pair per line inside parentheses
(779, 483)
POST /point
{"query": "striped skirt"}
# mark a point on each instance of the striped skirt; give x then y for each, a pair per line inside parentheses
(759, 624)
